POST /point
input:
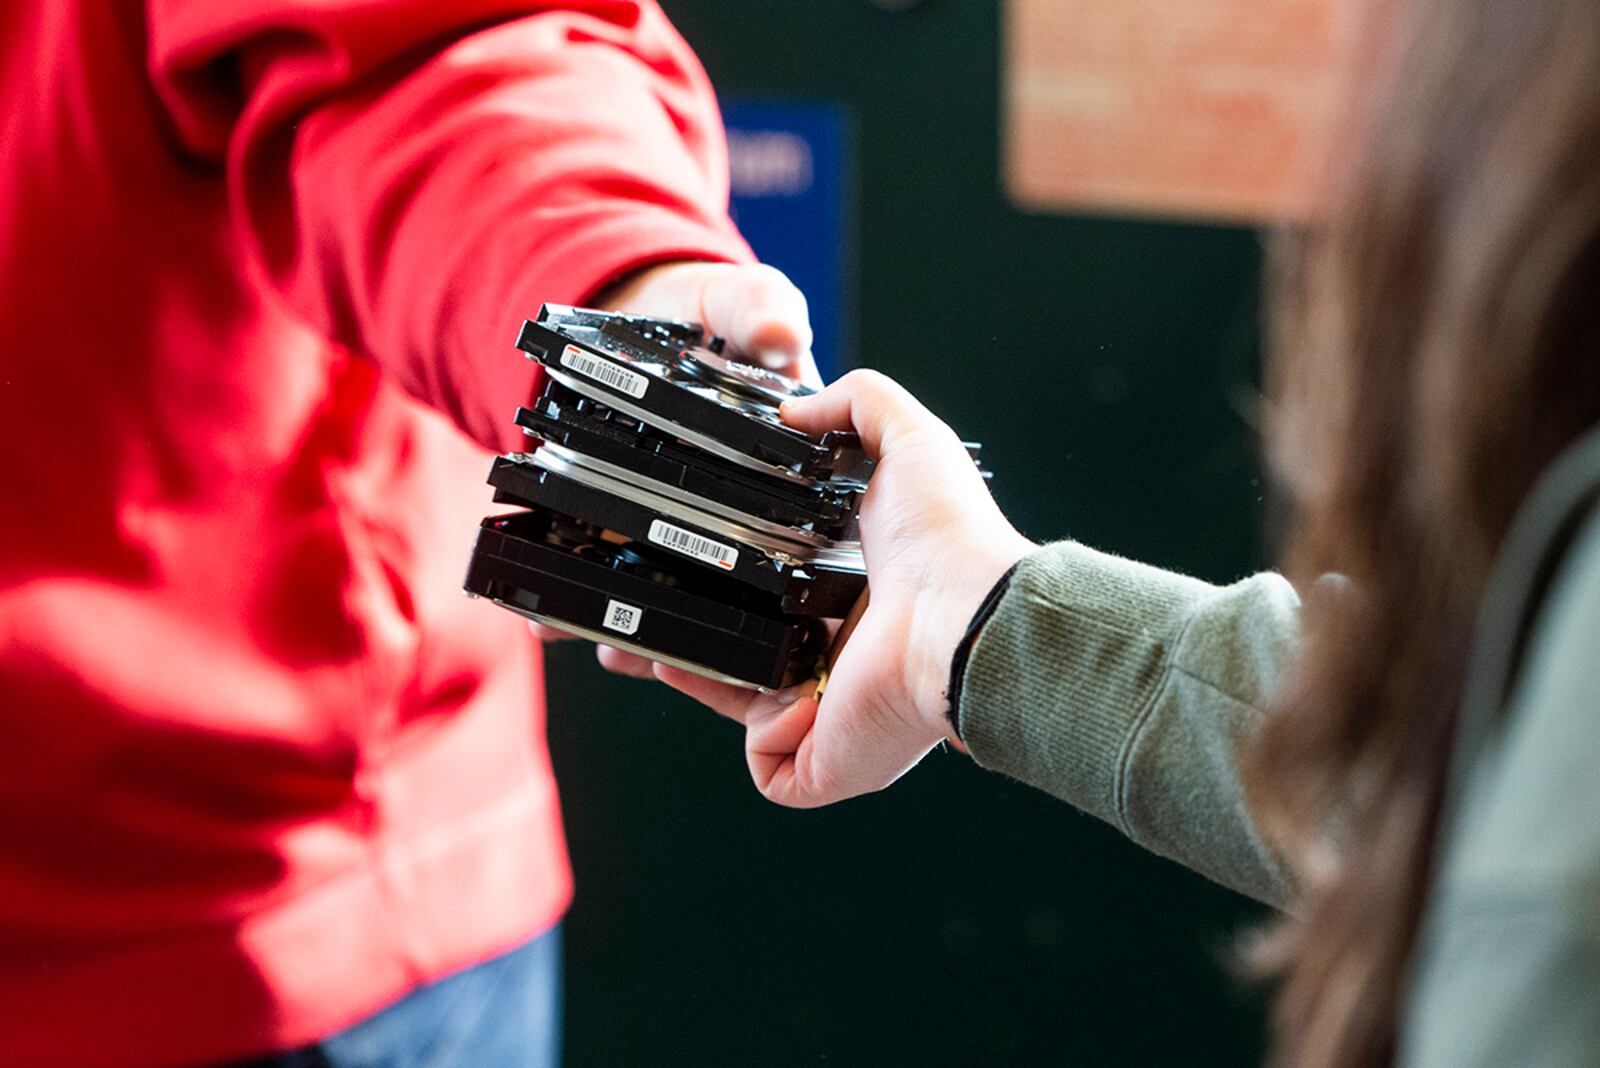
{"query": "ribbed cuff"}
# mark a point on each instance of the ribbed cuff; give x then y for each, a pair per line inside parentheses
(1065, 666)
(963, 653)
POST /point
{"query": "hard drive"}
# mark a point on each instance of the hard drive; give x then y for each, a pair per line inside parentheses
(582, 425)
(804, 580)
(571, 576)
(671, 377)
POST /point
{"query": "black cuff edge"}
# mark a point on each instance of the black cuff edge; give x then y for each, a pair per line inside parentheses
(958, 662)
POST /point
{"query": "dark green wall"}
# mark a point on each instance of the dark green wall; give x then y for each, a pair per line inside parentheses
(957, 918)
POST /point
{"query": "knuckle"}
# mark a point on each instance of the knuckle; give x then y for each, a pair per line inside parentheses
(867, 381)
(754, 282)
(765, 272)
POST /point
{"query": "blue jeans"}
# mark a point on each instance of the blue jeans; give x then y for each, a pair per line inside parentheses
(503, 1013)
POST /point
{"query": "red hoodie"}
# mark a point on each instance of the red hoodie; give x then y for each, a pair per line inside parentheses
(261, 264)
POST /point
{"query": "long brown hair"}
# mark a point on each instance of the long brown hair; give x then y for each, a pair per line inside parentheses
(1437, 344)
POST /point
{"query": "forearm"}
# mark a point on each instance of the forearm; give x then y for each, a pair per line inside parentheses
(515, 168)
(417, 176)
(1126, 691)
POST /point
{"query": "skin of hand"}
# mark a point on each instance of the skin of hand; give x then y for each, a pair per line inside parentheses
(935, 544)
(754, 307)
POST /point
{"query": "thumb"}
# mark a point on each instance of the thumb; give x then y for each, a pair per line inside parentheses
(876, 407)
(755, 308)
(759, 312)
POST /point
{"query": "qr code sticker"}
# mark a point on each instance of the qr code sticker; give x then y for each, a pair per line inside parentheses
(622, 618)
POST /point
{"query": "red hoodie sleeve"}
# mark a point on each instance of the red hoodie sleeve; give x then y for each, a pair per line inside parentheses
(416, 176)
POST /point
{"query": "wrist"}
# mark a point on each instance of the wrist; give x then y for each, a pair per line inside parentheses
(631, 292)
(944, 611)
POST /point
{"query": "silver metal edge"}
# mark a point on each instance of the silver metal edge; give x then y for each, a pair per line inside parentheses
(646, 484)
(608, 478)
(597, 392)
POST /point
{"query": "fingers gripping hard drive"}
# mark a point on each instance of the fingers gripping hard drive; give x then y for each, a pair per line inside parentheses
(665, 508)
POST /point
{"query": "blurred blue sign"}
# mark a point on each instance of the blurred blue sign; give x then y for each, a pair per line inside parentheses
(793, 198)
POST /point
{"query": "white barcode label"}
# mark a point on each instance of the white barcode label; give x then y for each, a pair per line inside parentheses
(618, 378)
(690, 544)
(622, 618)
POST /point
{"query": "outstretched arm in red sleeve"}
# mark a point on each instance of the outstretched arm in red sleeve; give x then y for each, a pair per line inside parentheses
(417, 176)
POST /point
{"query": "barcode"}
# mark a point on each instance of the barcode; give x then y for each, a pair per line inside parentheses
(691, 544)
(618, 378)
(622, 617)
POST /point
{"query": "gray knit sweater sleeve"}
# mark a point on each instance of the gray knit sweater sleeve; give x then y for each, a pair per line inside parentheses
(1126, 690)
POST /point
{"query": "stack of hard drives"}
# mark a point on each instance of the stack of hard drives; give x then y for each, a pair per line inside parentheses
(666, 510)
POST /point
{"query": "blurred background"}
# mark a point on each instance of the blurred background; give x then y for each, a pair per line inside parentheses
(1108, 363)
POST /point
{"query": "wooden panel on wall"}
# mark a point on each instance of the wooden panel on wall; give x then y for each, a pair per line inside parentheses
(1207, 109)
